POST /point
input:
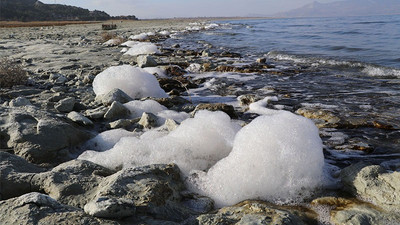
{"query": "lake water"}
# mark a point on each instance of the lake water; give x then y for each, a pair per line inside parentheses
(347, 66)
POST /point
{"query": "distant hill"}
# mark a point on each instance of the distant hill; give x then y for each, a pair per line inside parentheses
(33, 10)
(345, 8)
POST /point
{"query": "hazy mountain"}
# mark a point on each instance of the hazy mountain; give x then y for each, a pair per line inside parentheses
(33, 10)
(345, 8)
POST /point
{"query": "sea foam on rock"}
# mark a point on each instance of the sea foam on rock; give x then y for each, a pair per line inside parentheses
(135, 82)
(276, 157)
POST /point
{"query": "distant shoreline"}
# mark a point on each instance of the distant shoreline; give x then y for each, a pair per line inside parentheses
(11, 24)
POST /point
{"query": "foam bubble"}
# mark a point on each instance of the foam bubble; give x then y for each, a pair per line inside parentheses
(135, 82)
(107, 139)
(143, 49)
(259, 107)
(277, 158)
(137, 108)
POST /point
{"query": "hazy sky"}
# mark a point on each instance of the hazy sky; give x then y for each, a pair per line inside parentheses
(144, 9)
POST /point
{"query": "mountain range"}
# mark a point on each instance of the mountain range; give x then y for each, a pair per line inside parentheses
(345, 8)
(33, 10)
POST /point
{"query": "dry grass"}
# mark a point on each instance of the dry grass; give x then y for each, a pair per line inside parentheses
(11, 73)
(42, 23)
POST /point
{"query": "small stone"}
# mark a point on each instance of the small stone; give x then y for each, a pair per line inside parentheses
(148, 120)
(65, 105)
(115, 95)
(79, 119)
(146, 61)
(96, 113)
(261, 60)
(246, 100)
(205, 53)
(106, 207)
(176, 46)
(171, 124)
(122, 123)
(228, 109)
(20, 101)
(116, 110)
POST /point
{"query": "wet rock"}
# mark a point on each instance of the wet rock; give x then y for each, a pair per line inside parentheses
(168, 84)
(115, 95)
(352, 211)
(228, 109)
(20, 101)
(261, 60)
(123, 123)
(65, 105)
(373, 183)
(230, 55)
(16, 175)
(246, 100)
(106, 207)
(322, 118)
(146, 61)
(148, 120)
(174, 102)
(250, 212)
(79, 119)
(39, 136)
(73, 183)
(36, 208)
(116, 111)
(174, 70)
(171, 124)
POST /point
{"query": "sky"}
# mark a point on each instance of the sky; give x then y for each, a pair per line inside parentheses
(147, 9)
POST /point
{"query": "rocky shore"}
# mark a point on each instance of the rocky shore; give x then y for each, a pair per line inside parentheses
(57, 115)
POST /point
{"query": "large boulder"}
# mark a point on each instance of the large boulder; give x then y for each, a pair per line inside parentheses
(39, 136)
(114, 95)
(373, 183)
(16, 175)
(36, 208)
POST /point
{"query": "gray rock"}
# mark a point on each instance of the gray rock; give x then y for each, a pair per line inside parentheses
(171, 124)
(20, 101)
(123, 123)
(250, 213)
(36, 208)
(65, 105)
(106, 207)
(96, 113)
(373, 183)
(261, 60)
(148, 120)
(79, 119)
(146, 61)
(72, 183)
(16, 175)
(246, 100)
(116, 111)
(115, 95)
(155, 190)
(38, 136)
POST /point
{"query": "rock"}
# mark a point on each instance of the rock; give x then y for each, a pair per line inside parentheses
(65, 105)
(228, 109)
(205, 53)
(96, 113)
(146, 61)
(20, 101)
(16, 175)
(106, 207)
(176, 46)
(174, 70)
(123, 123)
(115, 95)
(250, 212)
(116, 111)
(373, 183)
(168, 84)
(352, 211)
(155, 190)
(36, 208)
(174, 102)
(322, 117)
(72, 183)
(39, 136)
(79, 119)
(261, 60)
(246, 100)
(148, 120)
(171, 124)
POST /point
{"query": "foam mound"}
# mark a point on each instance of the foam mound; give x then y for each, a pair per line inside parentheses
(197, 144)
(276, 157)
(135, 82)
(142, 48)
(107, 139)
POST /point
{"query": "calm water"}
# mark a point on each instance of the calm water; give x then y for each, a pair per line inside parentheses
(348, 66)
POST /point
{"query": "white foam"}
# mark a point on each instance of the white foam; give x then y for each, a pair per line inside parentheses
(130, 43)
(158, 72)
(139, 37)
(137, 107)
(197, 144)
(107, 139)
(275, 158)
(143, 49)
(164, 33)
(135, 82)
(259, 107)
